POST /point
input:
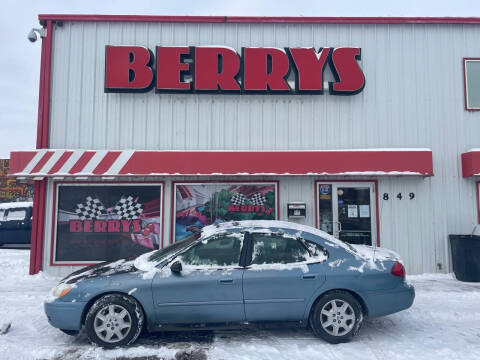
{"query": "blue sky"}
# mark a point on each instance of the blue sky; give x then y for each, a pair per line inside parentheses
(20, 60)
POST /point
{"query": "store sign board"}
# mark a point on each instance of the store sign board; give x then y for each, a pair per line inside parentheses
(217, 69)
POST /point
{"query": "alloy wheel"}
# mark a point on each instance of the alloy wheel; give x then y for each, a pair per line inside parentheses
(337, 317)
(112, 323)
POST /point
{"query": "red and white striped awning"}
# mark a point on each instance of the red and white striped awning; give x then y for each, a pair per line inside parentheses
(106, 163)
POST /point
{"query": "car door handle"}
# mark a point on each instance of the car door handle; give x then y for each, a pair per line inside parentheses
(226, 281)
(309, 277)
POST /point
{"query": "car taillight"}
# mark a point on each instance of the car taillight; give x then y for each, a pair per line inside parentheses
(398, 269)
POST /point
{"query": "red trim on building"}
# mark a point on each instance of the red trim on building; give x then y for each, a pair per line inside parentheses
(40, 186)
(375, 186)
(377, 212)
(471, 163)
(259, 19)
(173, 201)
(54, 212)
(38, 217)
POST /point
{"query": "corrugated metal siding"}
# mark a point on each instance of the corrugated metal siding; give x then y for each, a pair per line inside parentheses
(413, 98)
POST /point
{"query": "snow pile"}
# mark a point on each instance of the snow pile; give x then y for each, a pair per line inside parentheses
(14, 205)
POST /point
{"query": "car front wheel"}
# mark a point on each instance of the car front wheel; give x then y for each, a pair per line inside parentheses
(114, 320)
(336, 317)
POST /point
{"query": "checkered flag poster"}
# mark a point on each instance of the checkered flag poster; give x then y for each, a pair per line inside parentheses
(128, 209)
(258, 199)
(91, 209)
(238, 199)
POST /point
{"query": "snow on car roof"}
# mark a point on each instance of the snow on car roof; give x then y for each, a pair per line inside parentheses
(19, 204)
(267, 225)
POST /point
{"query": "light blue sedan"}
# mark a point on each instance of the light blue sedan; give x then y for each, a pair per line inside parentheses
(234, 274)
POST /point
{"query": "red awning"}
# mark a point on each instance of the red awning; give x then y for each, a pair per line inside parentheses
(471, 163)
(106, 163)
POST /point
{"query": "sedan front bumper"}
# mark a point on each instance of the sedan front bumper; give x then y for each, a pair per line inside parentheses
(64, 315)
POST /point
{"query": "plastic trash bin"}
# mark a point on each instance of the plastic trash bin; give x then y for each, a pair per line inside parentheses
(466, 257)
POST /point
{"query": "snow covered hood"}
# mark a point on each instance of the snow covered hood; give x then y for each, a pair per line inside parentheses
(102, 269)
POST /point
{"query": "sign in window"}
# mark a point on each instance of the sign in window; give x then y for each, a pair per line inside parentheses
(97, 222)
(201, 204)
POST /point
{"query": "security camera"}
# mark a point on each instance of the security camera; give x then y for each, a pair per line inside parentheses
(32, 35)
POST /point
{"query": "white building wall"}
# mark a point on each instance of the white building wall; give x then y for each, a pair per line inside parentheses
(413, 98)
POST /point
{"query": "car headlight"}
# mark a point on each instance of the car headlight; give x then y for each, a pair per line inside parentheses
(60, 290)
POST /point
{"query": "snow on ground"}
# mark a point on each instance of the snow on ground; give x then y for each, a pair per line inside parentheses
(444, 323)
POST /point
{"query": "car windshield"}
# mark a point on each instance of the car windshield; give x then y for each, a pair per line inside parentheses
(160, 255)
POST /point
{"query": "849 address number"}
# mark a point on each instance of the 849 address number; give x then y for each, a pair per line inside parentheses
(399, 196)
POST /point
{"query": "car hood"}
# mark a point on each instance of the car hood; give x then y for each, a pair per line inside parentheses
(121, 266)
(375, 253)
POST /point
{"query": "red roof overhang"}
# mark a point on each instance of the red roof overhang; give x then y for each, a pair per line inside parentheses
(260, 19)
(471, 163)
(81, 163)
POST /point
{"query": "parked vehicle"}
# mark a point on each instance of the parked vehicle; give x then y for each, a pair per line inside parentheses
(15, 223)
(234, 274)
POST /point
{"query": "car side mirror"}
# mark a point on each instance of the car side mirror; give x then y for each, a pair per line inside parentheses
(176, 267)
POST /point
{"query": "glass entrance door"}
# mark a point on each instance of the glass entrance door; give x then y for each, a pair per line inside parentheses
(347, 211)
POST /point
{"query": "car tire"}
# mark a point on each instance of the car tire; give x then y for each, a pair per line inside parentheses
(114, 320)
(336, 326)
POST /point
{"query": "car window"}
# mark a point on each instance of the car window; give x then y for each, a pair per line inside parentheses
(317, 252)
(2, 214)
(162, 254)
(16, 214)
(276, 249)
(221, 251)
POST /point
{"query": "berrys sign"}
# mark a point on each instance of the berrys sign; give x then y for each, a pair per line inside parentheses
(204, 69)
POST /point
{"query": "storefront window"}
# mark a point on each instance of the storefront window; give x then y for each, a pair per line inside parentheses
(106, 222)
(472, 84)
(201, 204)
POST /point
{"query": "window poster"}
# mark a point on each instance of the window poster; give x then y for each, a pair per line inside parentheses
(106, 222)
(201, 204)
(364, 211)
(352, 211)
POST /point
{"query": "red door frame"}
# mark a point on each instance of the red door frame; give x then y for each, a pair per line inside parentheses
(478, 200)
(375, 184)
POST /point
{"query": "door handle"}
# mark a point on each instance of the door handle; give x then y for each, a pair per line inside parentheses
(309, 277)
(226, 281)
